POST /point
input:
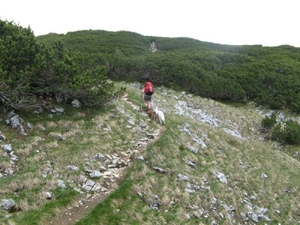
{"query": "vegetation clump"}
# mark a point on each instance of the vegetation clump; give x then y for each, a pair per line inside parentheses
(285, 132)
(31, 71)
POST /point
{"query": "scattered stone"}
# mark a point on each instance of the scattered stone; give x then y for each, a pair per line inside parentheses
(2, 137)
(8, 205)
(61, 184)
(8, 171)
(159, 169)
(183, 177)
(76, 103)
(7, 148)
(60, 137)
(192, 149)
(41, 127)
(140, 158)
(95, 174)
(57, 110)
(221, 177)
(48, 195)
(72, 168)
(29, 126)
(190, 163)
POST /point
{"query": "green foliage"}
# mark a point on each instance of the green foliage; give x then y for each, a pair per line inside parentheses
(269, 122)
(267, 75)
(29, 69)
(287, 133)
(182, 147)
(96, 41)
(64, 197)
(92, 87)
(18, 49)
(17, 52)
(104, 212)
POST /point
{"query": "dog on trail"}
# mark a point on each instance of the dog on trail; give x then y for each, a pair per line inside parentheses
(160, 116)
(152, 114)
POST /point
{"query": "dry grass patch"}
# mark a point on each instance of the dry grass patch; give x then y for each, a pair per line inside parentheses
(31, 182)
(115, 204)
(51, 184)
(138, 216)
(4, 165)
(177, 192)
(152, 181)
(159, 159)
(81, 114)
(116, 125)
(24, 205)
(65, 124)
(165, 200)
(79, 123)
(15, 186)
(73, 133)
(24, 150)
(56, 135)
(34, 141)
(51, 124)
(185, 197)
(50, 145)
(167, 190)
(141, 171)
(137, 188)
(101, 118)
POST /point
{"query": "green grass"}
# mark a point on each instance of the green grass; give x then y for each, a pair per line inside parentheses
(85, 138)
(226, 150)
(107, 212)
(63, 198)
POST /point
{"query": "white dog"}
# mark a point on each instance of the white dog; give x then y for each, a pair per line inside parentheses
(160, 116)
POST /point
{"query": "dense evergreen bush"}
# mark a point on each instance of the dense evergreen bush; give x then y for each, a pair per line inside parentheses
(30, 69)
(269, 121)
(287, 133)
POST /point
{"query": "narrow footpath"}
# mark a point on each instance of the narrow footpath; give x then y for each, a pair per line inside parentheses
(76, 212)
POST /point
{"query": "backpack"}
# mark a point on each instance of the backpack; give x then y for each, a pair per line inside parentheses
(149, 90)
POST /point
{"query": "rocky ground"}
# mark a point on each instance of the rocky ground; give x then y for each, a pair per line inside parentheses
(79, 209)
(216, 147)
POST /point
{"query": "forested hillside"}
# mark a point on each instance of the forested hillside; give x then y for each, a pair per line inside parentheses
(269, 76)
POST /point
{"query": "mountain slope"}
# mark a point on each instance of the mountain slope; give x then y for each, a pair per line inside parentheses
(211, 165)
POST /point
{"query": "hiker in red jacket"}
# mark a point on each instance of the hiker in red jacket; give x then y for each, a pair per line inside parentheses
(147, 92)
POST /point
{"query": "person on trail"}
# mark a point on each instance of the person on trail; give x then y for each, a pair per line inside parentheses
(147, 93)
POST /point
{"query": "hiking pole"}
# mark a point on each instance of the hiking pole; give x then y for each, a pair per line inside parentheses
(141, 108)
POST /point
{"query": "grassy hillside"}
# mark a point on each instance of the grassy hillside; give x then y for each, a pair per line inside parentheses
(208, 165)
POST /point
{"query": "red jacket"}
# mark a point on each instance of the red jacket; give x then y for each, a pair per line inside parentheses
(148, 87)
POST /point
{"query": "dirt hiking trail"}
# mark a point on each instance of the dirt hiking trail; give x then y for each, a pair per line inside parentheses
(81, 208)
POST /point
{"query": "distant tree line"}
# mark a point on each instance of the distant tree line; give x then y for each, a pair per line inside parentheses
(269, 76)
(75, 63)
